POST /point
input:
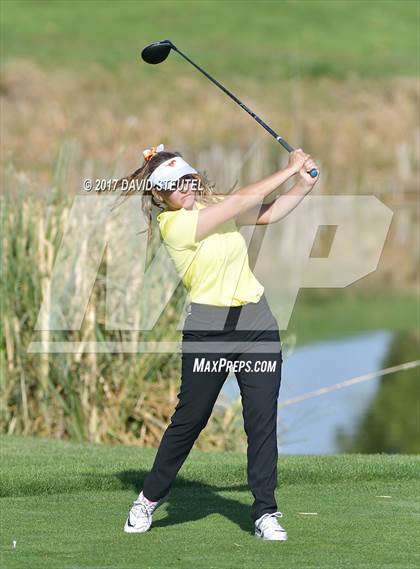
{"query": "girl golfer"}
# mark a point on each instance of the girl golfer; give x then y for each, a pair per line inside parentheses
(228, 320)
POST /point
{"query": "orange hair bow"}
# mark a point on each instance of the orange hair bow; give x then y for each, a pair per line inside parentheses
(148, 153)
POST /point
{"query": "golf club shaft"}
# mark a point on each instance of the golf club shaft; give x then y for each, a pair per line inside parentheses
(273, 133)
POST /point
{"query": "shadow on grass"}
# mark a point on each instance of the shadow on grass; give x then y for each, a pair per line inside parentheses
(191, 501)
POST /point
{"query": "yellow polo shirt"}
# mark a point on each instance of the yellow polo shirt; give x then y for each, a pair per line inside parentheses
(214, 270)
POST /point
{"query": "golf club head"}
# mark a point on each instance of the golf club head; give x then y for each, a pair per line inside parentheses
(157, 51)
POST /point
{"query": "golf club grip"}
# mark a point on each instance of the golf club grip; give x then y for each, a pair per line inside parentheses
(313, 173)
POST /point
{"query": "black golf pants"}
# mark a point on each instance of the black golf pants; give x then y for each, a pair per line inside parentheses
(214, 338)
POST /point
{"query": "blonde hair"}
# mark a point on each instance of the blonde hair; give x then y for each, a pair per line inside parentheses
(205, 192)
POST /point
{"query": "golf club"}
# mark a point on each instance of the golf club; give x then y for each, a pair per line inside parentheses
(158, 51)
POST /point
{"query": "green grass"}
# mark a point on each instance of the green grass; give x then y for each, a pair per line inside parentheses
(316, 318)
(65, 505)
(267, 39)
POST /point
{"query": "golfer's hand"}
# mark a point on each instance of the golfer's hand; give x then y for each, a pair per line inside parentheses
(308, 165)
(296, 160)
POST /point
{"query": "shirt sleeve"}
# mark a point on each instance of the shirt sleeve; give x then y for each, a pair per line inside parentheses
(178, 228)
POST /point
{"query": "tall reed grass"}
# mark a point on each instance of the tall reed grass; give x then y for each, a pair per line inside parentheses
(100, 397)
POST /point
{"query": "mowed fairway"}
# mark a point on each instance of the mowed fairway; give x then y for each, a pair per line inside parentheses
(65, 505)
(262, 40)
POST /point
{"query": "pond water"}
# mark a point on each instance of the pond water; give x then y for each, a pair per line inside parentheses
(309, 427)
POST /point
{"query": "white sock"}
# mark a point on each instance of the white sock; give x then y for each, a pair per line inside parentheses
(142, 498)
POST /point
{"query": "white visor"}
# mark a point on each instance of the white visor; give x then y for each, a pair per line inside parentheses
(170, 171)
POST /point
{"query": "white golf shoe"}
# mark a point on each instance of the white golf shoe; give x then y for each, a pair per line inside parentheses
(267, 527)
(139, 517)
